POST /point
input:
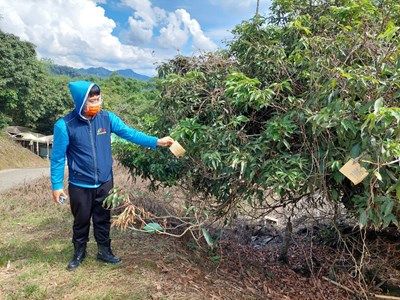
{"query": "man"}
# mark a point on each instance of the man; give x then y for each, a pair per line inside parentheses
(84, 136)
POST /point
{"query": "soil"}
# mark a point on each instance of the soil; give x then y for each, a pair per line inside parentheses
(247, 265)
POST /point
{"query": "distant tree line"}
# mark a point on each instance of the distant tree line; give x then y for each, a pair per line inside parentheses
(34, 93)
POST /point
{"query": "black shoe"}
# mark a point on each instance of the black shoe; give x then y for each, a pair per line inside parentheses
(79, 256)
(105, 254)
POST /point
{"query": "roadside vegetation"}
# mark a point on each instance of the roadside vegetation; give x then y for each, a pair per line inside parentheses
(258, 201)
(36, 247)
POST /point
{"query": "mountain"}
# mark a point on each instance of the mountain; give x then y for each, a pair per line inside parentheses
(131, 74)
(99, 72)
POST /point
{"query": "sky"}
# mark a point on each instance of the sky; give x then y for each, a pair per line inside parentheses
(124, 34)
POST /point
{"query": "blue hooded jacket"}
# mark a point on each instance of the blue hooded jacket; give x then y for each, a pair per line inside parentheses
(87, 143)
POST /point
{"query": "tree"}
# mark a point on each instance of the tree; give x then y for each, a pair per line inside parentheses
(271, 121)
(53, 93)
(128, 97)
(29, 95)
(17, 67)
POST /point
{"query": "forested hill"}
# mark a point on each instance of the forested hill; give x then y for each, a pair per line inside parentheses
(99, 72)
(32, 96)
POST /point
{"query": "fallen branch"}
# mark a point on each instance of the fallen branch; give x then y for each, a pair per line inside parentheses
(355, 293)
(340, 285)
(386, 297)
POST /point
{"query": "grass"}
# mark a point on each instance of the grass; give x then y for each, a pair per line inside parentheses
(12, 155)
(36, 247)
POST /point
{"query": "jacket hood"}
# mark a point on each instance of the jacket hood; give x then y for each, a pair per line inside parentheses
(80, 91)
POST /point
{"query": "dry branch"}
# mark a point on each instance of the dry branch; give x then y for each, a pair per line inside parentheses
(341, 286)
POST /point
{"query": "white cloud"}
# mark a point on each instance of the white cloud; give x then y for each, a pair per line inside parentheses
(200, 41)
(220, 34)
(71, 32)
(143, 10)
(139, 32)
(144, 19)
(175, 28)
(77, 33)
(173, 35)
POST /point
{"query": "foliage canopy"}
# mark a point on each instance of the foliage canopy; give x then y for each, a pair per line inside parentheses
(271, 120)
(29, 96)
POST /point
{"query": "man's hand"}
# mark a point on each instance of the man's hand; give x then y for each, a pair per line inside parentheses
(57, 194)
(165, 141)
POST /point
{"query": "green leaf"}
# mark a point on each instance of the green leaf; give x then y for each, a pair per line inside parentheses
(242, 118)
(363, 218)
(189, 209)
(166, 195)
(390, 219)
(355, 151)
(207, 237)
(378, 105)
(378, 175)
(286, 144)
(153, 227)
(335, 195)
(388, 208)
(389, 33)
(398, 191)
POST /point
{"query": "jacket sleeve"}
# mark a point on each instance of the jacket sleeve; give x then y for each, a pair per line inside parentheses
(122, 130)
(60, 144)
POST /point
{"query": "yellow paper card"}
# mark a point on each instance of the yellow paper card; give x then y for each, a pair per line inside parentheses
(353, 171)
(177, 149)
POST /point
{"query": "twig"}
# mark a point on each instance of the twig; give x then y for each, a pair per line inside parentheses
(167, 233)
(386, 297)
(341, 286)
(385, 164)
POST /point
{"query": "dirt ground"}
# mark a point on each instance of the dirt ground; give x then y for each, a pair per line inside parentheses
(161, 267)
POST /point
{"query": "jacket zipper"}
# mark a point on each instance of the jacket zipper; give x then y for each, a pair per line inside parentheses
(94, 152)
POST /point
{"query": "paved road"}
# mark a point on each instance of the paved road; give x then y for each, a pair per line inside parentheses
(13, 177)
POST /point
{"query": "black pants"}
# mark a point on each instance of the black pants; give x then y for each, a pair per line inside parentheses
(86, 203)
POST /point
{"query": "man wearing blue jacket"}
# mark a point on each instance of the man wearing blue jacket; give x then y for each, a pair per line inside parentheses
(84, 137)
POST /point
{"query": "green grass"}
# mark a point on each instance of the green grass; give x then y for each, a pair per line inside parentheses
(36, 247)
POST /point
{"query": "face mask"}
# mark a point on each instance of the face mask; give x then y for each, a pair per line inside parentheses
(92, 110)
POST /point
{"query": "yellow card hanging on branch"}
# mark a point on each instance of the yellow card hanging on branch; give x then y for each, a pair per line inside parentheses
(353, 171)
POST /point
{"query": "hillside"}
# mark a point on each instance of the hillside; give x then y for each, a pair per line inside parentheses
(13, 155)
(99, 72)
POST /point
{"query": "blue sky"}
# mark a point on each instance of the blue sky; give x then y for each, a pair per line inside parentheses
(124, 34)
